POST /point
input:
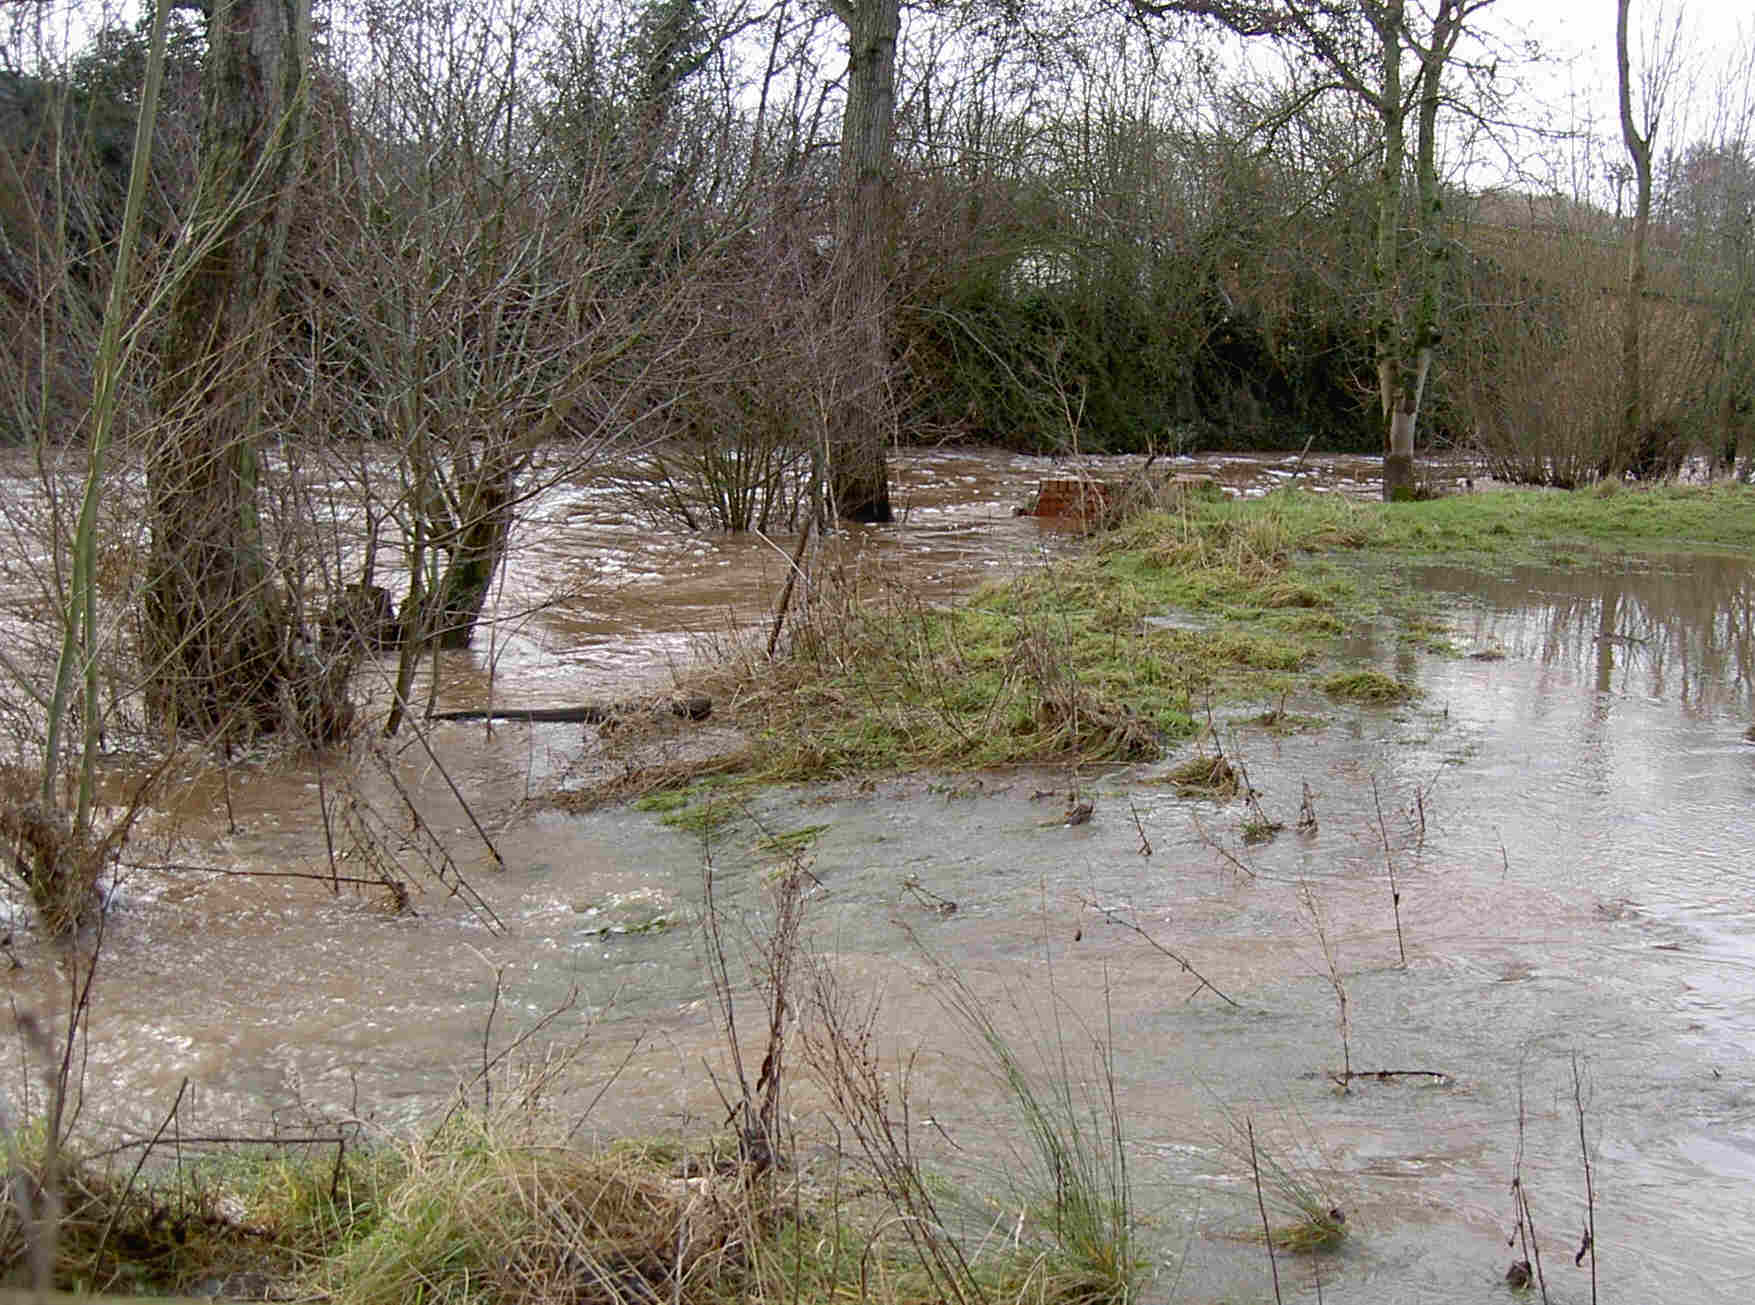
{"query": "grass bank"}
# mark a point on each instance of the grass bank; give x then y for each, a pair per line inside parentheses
(507, 1211)
(1184, 608)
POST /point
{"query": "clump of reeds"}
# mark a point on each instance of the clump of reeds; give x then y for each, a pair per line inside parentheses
(480, 1211)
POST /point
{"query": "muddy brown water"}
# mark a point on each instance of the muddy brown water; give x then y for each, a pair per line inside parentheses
(1570, 813)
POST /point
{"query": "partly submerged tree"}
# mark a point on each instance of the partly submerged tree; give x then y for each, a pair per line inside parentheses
(1639, 126)
(218, 643)
(859, 479)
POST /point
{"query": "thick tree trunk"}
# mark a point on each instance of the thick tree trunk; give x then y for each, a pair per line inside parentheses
(477, 545)
(859, 479)
(215, 632)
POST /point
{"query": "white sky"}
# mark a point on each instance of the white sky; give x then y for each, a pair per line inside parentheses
(1572, 88)
(1715, 37)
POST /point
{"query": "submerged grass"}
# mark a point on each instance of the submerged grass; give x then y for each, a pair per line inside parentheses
(1115, 655)
(1367, 686)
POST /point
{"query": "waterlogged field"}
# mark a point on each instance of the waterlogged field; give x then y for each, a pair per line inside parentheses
(1470, 905)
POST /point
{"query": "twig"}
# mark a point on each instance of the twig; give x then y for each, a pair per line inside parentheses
(795, 569)
(1525, 1230)
(1395, 896)
(934, 902)
(1298, 466)
(222, 1139)
(1267, 1233)
(128, 1187)
(1588, 1246)
(186, 867)
(487, 1037)
(1145, 843)
(1308, 899)
(459, 886)
(1351, 1074)
(1109, 914)
(490, 1064)
(1213, 843)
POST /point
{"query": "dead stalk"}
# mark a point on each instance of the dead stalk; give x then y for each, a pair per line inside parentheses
(1236, 864)
(1138, 824)
(1395, 896)
(1267, 1233)
(1588, 1244)
(1342, 1021)
(1307, 811)
(1523, 1234)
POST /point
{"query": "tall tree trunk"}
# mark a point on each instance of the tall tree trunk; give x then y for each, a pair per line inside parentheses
(215, 634)
(1405, 350)
(1633, 308)
(1386, 333)
(859, 477)
(1426, 329)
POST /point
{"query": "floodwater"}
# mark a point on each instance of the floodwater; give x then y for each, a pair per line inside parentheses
(1568, 810)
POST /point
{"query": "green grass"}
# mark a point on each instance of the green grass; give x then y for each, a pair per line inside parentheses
(1120, 653)
(1367, 686)
(663, 802)
(507, 1210)
(791, 842)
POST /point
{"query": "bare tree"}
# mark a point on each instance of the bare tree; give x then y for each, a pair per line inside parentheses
(1639, 127)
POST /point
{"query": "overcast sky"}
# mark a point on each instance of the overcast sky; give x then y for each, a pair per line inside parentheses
(1572, 86)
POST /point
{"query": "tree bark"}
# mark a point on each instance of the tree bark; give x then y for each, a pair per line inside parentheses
(1398, 418)
(859, 479)
(1425, 330)
(1633, 309)
(215, 632)
(489, 485)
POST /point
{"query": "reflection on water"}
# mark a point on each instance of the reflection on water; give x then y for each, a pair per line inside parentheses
(1621, 701)
(1680, 628)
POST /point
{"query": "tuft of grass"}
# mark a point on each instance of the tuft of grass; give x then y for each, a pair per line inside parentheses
(1367, 686)
(1259, 829)
(1204, 776)
(259, 1217)
(483, 1213)
(1075, 1174)
(711, 813)
(1291, 1182)
(789, 843)
(1277, 720)
(663, 801)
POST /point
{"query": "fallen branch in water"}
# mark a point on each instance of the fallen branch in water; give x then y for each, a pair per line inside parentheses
(1346, 1077)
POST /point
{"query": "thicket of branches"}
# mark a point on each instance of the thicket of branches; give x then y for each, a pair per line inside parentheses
(1102, 236)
